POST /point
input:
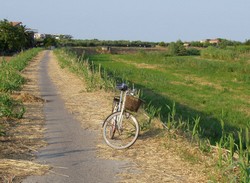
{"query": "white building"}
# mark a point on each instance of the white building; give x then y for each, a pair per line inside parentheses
(39, 36)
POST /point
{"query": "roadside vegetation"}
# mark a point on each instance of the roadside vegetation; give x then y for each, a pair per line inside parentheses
(13, 41)
(205, 97)
(11, 81)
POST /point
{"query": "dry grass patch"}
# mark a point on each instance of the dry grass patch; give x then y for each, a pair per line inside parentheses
(6, 58)
(26, 97)
(12, 170)
(21, 141)
(162, 156)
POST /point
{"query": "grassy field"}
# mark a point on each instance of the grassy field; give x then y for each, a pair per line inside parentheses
(204, 99)
(216, 90)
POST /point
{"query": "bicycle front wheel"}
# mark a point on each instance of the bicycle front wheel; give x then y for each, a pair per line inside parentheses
(120, 134)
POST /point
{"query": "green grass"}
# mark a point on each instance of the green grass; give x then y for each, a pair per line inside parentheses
(9, 107)
(11, 80)
(210, 88)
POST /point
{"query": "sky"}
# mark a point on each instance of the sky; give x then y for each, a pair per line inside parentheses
(144, 20)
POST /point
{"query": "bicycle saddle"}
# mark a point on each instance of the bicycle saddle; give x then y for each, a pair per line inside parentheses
(122, 87)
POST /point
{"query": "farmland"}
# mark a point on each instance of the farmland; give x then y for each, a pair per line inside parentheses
(216, 90)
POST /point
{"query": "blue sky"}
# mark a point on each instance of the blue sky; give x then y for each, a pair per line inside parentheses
(145, 20)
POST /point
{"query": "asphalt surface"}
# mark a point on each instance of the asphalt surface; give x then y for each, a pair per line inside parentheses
(71, 150)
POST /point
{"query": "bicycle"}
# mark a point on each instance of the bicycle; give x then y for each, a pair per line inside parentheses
(121, 128)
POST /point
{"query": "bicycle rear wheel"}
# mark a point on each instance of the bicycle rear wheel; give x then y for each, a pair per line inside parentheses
(120, 136)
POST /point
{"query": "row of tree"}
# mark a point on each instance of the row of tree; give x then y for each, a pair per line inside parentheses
(222, 43)
(96, 42)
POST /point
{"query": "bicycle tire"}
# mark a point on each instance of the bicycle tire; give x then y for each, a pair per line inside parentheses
(120, 139)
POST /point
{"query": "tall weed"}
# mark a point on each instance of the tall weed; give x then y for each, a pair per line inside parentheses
(220, 54)
(95, 77)
(10, 78)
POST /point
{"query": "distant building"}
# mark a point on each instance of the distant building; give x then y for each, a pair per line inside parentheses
(204, 40)
(16, 23)
(39, 36)
(214, 41)
(186, 44)
(106, 49)
(211, 41)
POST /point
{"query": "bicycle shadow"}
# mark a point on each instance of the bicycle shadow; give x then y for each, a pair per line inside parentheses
(155, 132)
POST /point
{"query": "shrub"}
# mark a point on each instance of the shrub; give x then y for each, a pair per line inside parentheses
(221, 54)
(193, 51)
(177, 49)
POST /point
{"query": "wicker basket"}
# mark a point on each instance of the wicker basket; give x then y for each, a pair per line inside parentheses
(132, 103)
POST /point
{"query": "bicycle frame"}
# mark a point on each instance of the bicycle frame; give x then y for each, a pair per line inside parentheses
(121, 107)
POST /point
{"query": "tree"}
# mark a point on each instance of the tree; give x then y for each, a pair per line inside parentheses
(247, 42)
(13, 38)
(177, 49)
(49, 41)
(163, 44)
(224, 43)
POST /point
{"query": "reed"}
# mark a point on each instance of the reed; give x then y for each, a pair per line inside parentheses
(92, 74)
(220, 54)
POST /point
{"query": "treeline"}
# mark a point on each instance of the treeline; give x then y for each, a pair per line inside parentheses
(178, 48)
(14, 38)
(126, 43)
(96, 42)
(224, 49)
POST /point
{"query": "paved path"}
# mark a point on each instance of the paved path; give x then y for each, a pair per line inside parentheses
(71, 150)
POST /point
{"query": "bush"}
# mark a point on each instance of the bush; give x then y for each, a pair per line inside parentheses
(193, 51)
(220, 54)
(177, 49)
